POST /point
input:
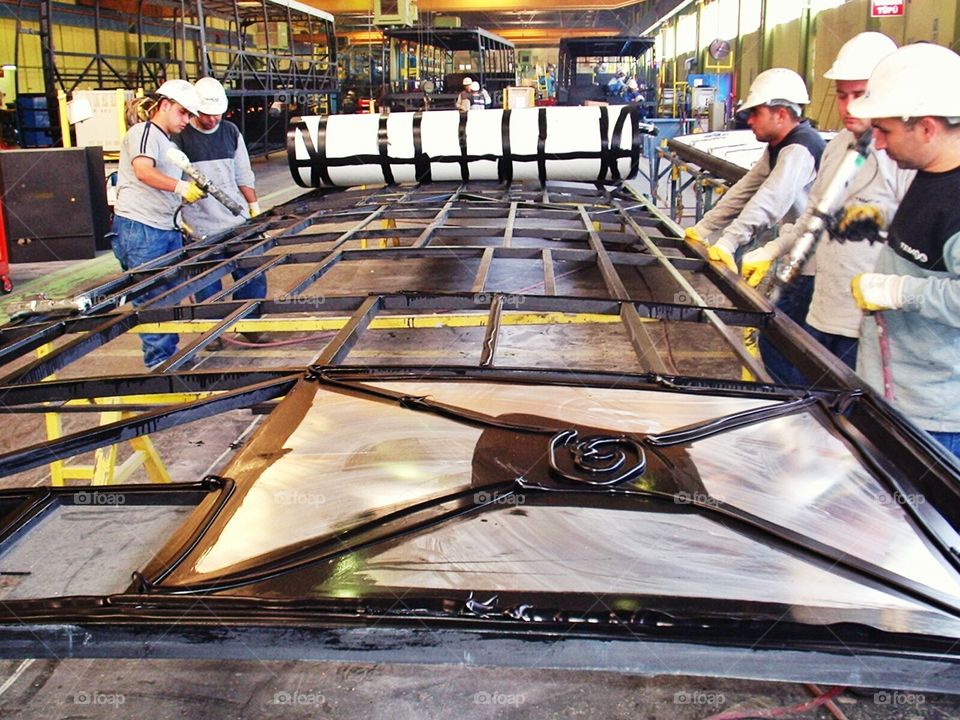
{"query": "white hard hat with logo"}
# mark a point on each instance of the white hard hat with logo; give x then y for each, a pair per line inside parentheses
(914, 81)
(213, 98)
(859, 56)
(182, 92)
(776, 86)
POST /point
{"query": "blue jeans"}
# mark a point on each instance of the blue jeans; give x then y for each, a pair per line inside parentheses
(134, 244)
(842, 346)
(950, 440)
(794, 303)
(256, 288)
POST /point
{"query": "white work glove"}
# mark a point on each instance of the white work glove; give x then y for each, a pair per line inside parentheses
(757, 263)
(722, 251)
(189, 191)
(874, 291)
(254, 208)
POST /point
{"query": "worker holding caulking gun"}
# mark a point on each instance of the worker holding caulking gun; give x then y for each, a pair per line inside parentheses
(214, 146)
(910, 341)
(774, 190)
(149, 192)
(851, 202)
(149, 196)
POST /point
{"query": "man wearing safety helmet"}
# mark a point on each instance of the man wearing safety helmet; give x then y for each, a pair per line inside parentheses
(149, 191)
(776, 187)
(870, 200)
(216, 149)
(914, 290)
(774, 190)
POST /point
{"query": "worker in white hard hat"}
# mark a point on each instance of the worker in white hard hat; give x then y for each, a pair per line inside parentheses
(870, 200)
(216, 148)
(479, 97)
(776, 187)
(463, 99)
(774, 190)
(910, 344)
(150, 189)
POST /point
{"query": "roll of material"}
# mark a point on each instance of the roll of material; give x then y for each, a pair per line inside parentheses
(587, 144)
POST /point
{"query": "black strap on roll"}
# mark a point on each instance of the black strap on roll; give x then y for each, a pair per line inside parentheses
(384, 149)
(637, 141)
(320, 158)
(615, 142)
(421, 162)
(462, 136)
(604, 144)
(505, 166)
(316, 154)
(296, 126)
(541, 146)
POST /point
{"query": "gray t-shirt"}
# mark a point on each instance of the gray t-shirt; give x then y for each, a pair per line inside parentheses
(135, 199)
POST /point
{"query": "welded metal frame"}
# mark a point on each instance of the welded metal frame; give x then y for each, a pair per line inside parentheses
(265, 86)
(614, 231)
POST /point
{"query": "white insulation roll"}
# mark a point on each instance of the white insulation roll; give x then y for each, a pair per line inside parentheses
(590, 144)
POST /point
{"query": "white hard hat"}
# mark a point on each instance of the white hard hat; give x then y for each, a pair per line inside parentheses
(182, 92)
(776, 84)
(859, 56)
(467, 81)
(474, 86)
(914, 81)
(213, 98)
(632, 84)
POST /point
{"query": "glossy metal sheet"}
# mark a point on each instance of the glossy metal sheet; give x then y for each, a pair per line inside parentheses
(352, 459)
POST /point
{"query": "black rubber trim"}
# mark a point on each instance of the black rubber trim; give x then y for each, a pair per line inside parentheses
(636, 139)
(615, 151)
(383, 146)
(462, 137)
(541, 145)
(605, 159)
(505, 166)
(421, 162)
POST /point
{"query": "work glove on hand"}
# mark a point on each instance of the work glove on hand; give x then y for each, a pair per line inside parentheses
(254, 208)
(693, 235)
(722, 251)
(757, 263)
(189, 191)
(874, 291)
(860, 222)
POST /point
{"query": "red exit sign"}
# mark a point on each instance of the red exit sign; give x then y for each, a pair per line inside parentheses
(886, 8)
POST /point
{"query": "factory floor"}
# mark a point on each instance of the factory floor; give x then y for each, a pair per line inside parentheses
(256, 687)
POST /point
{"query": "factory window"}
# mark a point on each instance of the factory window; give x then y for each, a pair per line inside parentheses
(783, 11)
(750, 16)
(687, 33)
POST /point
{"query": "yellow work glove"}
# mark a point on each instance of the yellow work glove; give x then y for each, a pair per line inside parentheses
(873, 291)
(756, 264)
(722, 255)
(254, 208)
(189, 191)
(692, 235)
(860, 220)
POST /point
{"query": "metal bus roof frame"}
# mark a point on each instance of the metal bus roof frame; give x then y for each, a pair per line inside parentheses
(615, 232)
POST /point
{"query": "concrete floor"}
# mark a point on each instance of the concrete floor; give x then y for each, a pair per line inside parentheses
(258, 688)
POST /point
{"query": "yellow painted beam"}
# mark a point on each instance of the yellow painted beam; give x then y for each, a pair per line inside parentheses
(398, 322)
(550, 36)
